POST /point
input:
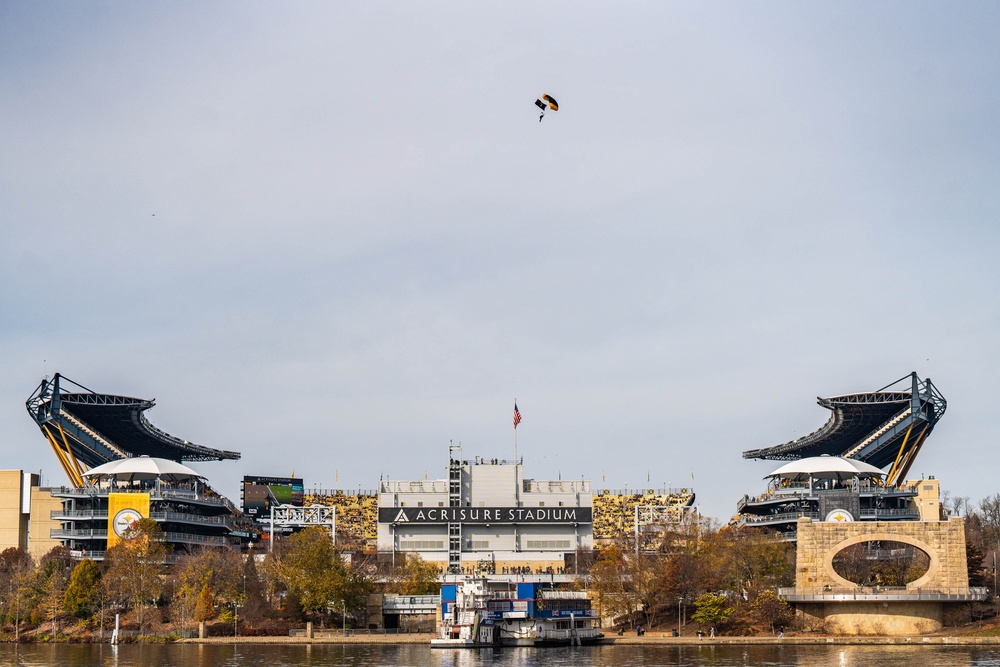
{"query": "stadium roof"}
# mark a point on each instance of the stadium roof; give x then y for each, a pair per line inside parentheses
(882, 428)
(88, 428)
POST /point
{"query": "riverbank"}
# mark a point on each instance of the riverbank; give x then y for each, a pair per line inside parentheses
(645, 640)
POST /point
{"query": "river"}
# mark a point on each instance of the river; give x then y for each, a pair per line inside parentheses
(333, 655)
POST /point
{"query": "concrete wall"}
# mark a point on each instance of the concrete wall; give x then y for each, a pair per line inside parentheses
(872, 618)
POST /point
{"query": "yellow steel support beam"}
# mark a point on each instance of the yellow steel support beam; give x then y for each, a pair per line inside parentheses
(69, 454)
(66, 466)
(895, 464)
(912, 454)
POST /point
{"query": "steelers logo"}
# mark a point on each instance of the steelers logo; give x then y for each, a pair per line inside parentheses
(838, 516)
(124, 521)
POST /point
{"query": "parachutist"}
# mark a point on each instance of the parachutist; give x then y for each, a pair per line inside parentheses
(550, 103)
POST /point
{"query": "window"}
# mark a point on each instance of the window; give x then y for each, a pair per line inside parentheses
(548, 544)
(421, 545)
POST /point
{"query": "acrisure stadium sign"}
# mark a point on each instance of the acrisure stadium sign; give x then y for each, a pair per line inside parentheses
(485, 515)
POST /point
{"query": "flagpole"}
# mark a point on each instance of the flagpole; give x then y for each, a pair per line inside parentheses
(515, 432)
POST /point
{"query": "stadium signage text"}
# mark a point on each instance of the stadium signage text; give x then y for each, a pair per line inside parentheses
(485, 515)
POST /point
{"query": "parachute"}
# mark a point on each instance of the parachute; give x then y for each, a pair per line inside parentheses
(549, 103)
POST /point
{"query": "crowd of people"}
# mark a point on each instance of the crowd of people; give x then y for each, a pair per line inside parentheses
(357, 513)
(614, 513)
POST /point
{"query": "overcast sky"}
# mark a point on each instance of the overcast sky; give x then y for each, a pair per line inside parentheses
(335, 236)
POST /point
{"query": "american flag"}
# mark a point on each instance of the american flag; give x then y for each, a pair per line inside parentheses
(517, 415)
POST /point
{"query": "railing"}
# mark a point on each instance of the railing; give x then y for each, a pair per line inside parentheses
(350, 493)
(188, 538)
(883, 593)
(97, 533)
(556, 486)
(907, 513)
(80, 554)
(410, 603)
(644, 490)
(785, 517)
(186, 517)
(301, 632)
(154, 494)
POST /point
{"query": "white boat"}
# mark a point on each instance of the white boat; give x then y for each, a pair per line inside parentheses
(478, 612)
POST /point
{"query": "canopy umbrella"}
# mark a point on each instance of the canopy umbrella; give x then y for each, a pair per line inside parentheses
(141, 468)
(826, 467)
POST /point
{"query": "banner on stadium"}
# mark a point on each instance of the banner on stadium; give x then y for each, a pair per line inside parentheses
(124, 512)
(534, 515)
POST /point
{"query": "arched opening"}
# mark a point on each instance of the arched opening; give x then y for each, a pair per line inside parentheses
(881, 563)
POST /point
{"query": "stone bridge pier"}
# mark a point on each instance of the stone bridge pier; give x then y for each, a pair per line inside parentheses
(826, 601)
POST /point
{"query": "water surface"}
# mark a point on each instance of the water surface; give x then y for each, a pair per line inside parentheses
(408, 655)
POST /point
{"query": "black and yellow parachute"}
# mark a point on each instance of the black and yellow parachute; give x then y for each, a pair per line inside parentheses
(548, 103)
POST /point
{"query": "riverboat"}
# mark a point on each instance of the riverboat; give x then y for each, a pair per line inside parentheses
(479, 612)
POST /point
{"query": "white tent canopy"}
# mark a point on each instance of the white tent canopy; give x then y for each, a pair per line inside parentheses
(141, 468)
(826, 467)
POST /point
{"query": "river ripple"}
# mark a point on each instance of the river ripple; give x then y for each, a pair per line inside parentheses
(333, 655)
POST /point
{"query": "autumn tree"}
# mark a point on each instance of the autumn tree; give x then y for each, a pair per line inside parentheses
(81, 597)
(756, 561)
(415, 576)
(317, 576)
(768, 611)
(217, 570)
(134, 568)
(609, 582)
(52, 579)
(255, 607)
(711, 610)
(205, 608)
(18, 569)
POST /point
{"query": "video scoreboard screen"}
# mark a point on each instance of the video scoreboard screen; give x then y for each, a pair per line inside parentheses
(260, 493)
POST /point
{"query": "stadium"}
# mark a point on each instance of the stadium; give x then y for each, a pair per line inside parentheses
(854, 467)
(121, 467)
(482, 515)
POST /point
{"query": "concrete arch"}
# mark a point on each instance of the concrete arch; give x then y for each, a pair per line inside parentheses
(942, 541)
(929, 576)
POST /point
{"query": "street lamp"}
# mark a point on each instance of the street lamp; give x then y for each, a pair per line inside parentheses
(343, 616)
(236, 619)
(679, 600)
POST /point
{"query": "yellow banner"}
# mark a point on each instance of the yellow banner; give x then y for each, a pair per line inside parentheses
(124, 511)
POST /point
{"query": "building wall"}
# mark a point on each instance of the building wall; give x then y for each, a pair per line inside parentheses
(13, 515)
(40, 524)
(928, 499)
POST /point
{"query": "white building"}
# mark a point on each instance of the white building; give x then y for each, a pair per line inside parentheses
(486, 514)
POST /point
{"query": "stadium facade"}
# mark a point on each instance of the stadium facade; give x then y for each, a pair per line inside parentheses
(486, 515)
